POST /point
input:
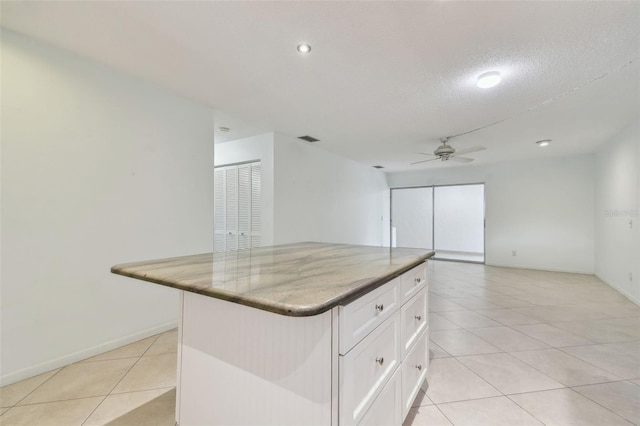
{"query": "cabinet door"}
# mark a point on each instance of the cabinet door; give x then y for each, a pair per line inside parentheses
(413, 281)
(414, 320)
(414, 371)
(360, 317)
(367, 368)
(385, 411)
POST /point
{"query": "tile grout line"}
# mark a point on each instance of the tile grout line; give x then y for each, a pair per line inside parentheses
(121, 379)
(525, 410)
(589, 362)
(607, 408)
(445, 416)
(37, 387)
(596, 402)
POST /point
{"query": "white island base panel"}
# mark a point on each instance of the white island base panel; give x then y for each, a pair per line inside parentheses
(239, 365)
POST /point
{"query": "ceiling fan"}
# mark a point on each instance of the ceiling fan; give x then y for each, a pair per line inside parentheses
(446, 152)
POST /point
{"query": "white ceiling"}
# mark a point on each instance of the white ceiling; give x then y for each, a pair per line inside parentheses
(384, 80)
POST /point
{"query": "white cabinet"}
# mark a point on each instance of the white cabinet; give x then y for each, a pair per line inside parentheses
(414, 320)
(413, 281)
(414, 371)
(387, 410)
(360, 317)
(383, 351)
(237, 215)
(366, 369)
(358, 364)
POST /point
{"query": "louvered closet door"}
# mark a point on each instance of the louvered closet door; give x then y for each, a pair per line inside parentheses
(219, 210)
(256, 204)
(244, 206)
(237, 207)
(231, 208)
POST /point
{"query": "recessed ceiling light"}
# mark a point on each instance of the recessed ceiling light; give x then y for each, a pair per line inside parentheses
(224, 129)
(304, 48)
(489, 79)
(544, 142)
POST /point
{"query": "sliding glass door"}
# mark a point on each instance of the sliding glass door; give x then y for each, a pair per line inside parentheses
(458, 225)
(412, 216)
(447, 219)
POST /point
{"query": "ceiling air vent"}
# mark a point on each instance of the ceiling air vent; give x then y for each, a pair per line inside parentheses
(378, 167)
(308, 138)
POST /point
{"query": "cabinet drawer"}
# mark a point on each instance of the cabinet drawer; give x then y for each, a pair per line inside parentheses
(414, 320)
(360, 317)
(387, 408)
(414, 370)
(366, 368)
(413, 281)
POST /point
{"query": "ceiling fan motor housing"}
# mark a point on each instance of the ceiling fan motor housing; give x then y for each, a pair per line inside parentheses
(444, 150)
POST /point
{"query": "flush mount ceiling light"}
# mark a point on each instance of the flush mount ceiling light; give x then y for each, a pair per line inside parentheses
(224, 129)
(488, 79)
(544, 142)
(304, 48)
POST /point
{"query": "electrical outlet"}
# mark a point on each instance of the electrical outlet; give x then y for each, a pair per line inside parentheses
(514, 253)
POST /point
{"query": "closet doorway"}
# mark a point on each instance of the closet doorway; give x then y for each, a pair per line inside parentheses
(237, 206)
(448, 219)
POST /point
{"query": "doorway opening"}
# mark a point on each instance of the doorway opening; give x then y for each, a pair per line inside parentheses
(448, 219)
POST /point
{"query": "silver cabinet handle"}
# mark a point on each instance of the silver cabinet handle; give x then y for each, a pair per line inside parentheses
(419, 367)
(418, 317)
(381, 360)
(380, 307)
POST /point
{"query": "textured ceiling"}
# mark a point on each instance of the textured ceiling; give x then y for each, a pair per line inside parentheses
(384, 80)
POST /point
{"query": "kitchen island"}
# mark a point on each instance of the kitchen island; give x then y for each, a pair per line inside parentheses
(305, 333)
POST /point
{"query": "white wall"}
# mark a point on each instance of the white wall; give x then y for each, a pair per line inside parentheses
(542, 209)
(254, 148)
(320, 196)
(617, 199)
(97, 168)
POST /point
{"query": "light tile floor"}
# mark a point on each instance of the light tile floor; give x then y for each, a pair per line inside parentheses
(508, 347)
(131, 385)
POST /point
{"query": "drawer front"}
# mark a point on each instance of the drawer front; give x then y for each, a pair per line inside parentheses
(414, 320)
(386, 409)
(414, 370)
(413, 281)
(360, 317)
(366, 368)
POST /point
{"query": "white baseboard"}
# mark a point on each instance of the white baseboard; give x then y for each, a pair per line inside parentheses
(619, 290)
(540, 268)
(25, 373)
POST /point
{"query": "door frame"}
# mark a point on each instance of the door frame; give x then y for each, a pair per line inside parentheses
(433, 216)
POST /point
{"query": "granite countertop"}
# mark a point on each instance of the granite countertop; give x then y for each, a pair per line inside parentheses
(301, 279)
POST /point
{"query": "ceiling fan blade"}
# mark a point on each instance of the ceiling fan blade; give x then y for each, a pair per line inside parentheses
(461, 159)
(469, 150)
(424, 161)
(424, 153)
